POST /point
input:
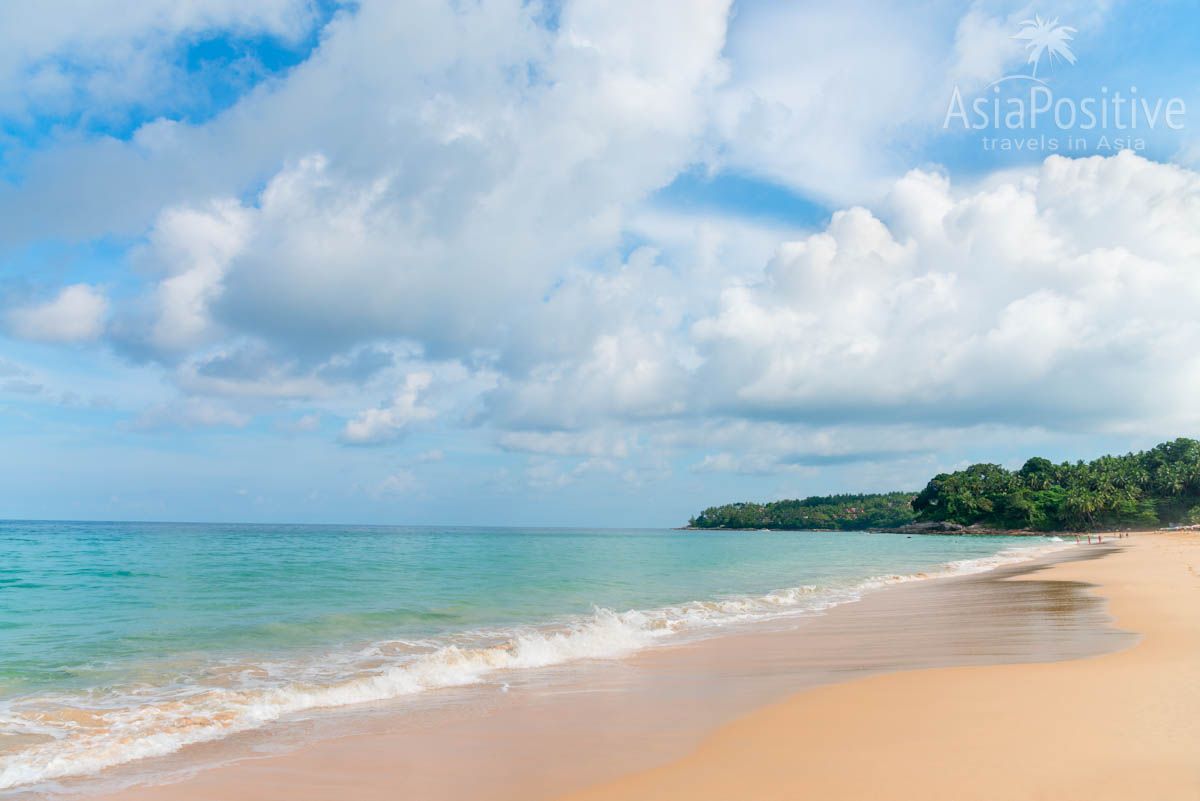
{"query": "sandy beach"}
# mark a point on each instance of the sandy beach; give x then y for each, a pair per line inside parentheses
(1119, 726)
(1069, 677)
(599, 400)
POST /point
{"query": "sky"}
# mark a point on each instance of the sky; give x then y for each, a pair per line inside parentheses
(583, 263)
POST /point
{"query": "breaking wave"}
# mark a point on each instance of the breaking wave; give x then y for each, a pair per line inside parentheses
(54, 736)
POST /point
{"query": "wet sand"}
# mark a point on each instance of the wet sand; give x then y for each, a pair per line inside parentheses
(562, 730)
(1125, 725)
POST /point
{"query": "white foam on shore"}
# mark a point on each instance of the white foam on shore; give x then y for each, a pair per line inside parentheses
(86, 733)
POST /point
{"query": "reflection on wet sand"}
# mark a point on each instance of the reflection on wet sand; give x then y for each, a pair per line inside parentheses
(553, 731)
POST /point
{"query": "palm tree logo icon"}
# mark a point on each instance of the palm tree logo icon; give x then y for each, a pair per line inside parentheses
(1045, 37)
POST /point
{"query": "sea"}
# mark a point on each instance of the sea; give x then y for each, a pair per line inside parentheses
(126, 641)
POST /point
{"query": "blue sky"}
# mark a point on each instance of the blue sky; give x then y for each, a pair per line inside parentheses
(578, 263)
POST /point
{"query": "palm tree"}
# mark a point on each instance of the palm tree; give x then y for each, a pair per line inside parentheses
(1046, 37)
(1081, 506)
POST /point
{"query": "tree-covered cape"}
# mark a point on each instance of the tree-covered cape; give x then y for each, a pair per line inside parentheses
(842, 512)
(1160, 486)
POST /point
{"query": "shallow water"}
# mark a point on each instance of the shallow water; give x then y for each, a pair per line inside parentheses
(122, 641)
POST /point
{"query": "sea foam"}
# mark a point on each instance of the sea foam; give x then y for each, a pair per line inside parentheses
(80, 734)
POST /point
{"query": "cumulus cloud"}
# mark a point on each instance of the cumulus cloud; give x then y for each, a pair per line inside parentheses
(478, 169)
(1058, 297)
(76, 314)
(1055, 299)
(841, 99)
(484, 112)
(193, 248)
(61, 56)
(609, 341)
(472, 185)
(490, 198)
(388, 422)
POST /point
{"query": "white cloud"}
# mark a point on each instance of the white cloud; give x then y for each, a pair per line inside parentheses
(76, 314)
(491, 189)
(440, 164)
(839, 100)
(1063, 296)
(482, 113)
(62, 56)
(462, 184)
(1056, 298)
(821, 93)
(389, 422)
(614, 348)
(193, 248)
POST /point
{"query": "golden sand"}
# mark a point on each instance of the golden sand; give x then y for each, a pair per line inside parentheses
(1123, 726)
(1055, 724)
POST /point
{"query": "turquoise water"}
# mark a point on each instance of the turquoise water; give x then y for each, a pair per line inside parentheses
(120, 641)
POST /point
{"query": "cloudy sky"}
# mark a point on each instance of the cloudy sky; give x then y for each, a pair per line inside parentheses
(597, 262)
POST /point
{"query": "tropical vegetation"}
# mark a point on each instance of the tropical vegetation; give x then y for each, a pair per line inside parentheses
(840, 512)
(1159, 486)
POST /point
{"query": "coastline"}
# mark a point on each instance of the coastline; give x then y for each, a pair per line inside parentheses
(553, 734)
(1121, 725)
(943, 530)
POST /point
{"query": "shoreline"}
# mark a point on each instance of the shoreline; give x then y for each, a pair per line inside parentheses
(1120, 725)
(651, 708)
(250, 705)
(925, 530)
